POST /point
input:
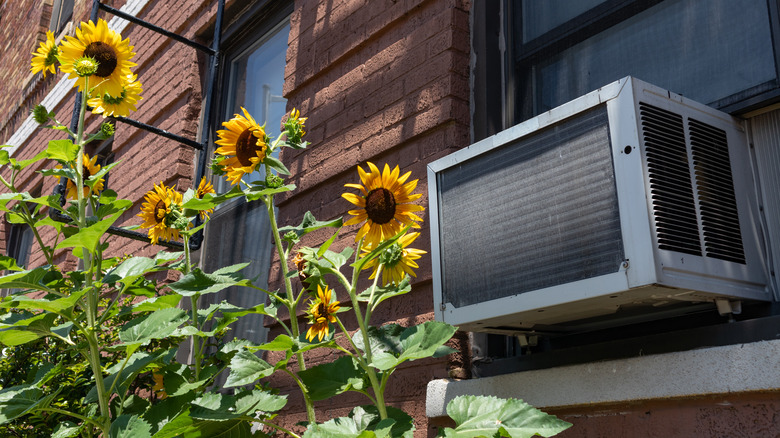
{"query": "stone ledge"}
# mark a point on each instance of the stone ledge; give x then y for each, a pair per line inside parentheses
(717, 370)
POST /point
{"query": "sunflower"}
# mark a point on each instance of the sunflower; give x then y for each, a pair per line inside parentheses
(384, 205)
(104, 45)
(397, 260)
(155, 212)
(46, 56)
(120, 105)
(321, 312)
(90, 168)
(293, 127)
(243, 143)
(204, 187)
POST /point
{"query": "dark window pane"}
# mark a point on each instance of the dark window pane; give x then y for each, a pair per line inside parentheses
(704, 50)
(541, 16)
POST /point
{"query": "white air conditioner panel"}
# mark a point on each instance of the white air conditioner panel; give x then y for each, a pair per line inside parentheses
(628, 197)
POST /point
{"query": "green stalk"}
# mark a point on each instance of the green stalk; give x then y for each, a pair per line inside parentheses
(363, 324)
(92, 294)
(196, 347)
(291, 304)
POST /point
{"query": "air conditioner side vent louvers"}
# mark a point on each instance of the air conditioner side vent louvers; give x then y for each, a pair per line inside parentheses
(671, 187)
(715, 187)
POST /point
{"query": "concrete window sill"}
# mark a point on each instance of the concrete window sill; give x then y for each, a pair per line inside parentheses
(717, 370)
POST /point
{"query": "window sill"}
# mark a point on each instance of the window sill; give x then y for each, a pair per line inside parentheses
(716, 370)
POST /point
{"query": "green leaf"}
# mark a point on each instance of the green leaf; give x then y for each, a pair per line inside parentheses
(9, 264)
(308, 224)
(210, 201)
(276, 164)
(24, 163)
(198, 282)
(280, 343)
(256, 192)
(246, 368)
(127, 426)
(17, 401)
(384, 292)
(90, 236)
(66, 430)
(329, 379)
(249, 402)
(156, 325)
(124, 376)
(4, 157)
(62, 150)
(390, 346)
(157, 303)
(59, 305)
(36, 278)
(365, 422)
(491, 416)
(130, 270)
(221, 407)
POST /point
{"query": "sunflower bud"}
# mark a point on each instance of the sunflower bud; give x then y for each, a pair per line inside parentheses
(290, 236)
(107, 129)
(293, 128)
(85, 66)
(40, 114)
(273, 181)
(392, 255)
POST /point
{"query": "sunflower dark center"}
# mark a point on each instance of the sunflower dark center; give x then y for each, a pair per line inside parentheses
(105, 55)
(160, 211)
(380, 205)
(246, 147)
(322, 310)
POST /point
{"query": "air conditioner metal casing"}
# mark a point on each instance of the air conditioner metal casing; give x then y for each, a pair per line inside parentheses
(512, 252)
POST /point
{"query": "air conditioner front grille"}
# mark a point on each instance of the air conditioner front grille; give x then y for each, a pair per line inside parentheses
(715, 186)
(671, 188)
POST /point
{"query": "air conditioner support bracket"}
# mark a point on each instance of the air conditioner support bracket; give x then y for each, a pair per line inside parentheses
(728, 308)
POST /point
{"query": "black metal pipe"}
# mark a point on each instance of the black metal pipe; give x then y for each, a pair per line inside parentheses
(157, 29)
(161, 132)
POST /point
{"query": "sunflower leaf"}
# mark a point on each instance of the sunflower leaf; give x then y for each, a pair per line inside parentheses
(308, 224)
(391, 345)
(330, 379)
(62, 150)
(210, 201)
(385, 292)
(90, 236)
(257, 191)
(246, 368)
(199, 282)
(276, 164)
(492, 416)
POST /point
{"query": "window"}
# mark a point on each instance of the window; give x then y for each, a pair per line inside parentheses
(534, 55)
(238, 232)
(61, 13)
(719, 52)
(19, 240)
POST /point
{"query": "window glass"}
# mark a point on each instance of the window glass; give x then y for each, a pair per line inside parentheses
(61, 12)
(707, 51)
(541, 16)
(240, 232)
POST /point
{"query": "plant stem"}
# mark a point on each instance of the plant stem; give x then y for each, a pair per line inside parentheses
(363, 324)
(290, 302)
(92, 294)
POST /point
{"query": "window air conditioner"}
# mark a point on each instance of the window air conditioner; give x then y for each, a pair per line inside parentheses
(626, 204)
